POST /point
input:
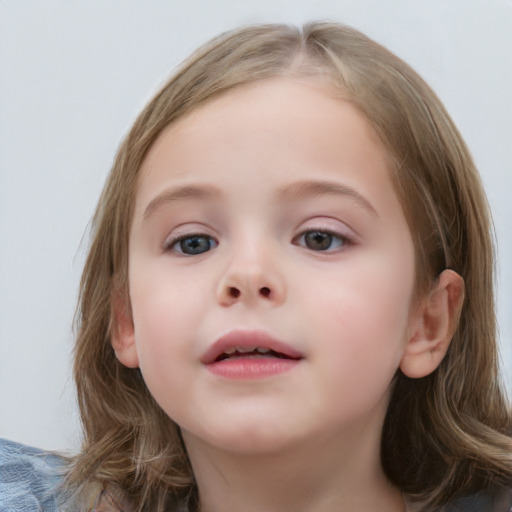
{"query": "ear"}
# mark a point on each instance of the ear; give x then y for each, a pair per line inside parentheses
(122, 335)
(433, 326)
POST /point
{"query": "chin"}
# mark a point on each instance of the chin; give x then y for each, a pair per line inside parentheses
(244, 439)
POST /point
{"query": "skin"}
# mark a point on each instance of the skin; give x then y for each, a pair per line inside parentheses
(234, 171)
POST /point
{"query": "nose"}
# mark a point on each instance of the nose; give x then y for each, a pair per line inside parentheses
(251, 280)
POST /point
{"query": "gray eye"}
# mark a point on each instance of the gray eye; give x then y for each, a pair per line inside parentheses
(317, 240)
(194, 244)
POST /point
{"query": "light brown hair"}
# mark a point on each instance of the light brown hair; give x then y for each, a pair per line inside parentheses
(445, 434)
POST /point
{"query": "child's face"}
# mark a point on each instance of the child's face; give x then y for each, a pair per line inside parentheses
(269, 214)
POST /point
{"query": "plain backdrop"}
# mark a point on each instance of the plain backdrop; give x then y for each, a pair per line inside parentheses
(74, 74)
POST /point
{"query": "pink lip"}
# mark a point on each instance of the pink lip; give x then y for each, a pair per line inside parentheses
(250, 366)
(248, 339)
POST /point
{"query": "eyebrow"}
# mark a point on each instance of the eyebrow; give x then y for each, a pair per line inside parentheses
(296, 191)
(175, 194)
(306, 189)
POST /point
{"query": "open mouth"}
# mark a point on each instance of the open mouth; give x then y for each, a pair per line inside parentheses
(244, 354)
(252, 352)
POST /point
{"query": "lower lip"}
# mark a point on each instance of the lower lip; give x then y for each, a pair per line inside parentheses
(251, 367)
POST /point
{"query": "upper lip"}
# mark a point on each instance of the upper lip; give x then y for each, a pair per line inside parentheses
(245, 339)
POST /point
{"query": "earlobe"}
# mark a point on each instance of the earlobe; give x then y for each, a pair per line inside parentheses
(122, 335)
(433, 326)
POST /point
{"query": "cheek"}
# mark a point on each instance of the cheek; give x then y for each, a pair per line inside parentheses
(161, 343)
(162, 299)
(161, 315)
(364, 311)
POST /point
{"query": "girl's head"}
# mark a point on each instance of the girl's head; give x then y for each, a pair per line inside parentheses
(442, 425)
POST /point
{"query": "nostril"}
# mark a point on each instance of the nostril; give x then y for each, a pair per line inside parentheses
(234, 292)
(265, 291)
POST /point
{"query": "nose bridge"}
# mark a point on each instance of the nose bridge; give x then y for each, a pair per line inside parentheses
(252, 273)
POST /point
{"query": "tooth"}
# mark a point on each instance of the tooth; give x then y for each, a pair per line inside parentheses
(230, 351)
(244, 350)
(262, 350)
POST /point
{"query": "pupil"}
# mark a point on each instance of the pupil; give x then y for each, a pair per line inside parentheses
(318, 240)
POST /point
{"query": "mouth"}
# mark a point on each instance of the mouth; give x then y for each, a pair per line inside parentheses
(237, 352)
(249, 344)
(250, 354)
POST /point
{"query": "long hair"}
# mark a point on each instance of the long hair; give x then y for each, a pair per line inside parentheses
(445, 434)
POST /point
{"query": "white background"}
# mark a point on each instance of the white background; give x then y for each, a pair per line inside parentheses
(74, 74)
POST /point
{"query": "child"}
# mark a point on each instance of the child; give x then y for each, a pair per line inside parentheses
(288, 302)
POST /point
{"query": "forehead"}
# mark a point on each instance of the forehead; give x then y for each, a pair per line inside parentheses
(289, 124)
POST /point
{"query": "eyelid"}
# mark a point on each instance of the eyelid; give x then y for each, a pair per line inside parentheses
(183, 232)
(329, 225)
(345, 241)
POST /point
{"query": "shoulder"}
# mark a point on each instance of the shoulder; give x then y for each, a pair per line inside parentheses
(29, 478)
(498, 500)
(113, 499)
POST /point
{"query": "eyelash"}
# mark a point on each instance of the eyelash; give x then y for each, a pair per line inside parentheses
(340, 240)
(173, 242)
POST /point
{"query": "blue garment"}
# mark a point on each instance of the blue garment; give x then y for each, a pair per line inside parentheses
(29, 478)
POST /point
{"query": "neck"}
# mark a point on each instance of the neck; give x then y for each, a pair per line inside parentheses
(323, 476)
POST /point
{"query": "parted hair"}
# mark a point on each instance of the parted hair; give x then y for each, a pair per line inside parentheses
(445, 434)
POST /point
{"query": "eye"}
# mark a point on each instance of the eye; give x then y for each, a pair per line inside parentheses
(191, 245)
(320, 240)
